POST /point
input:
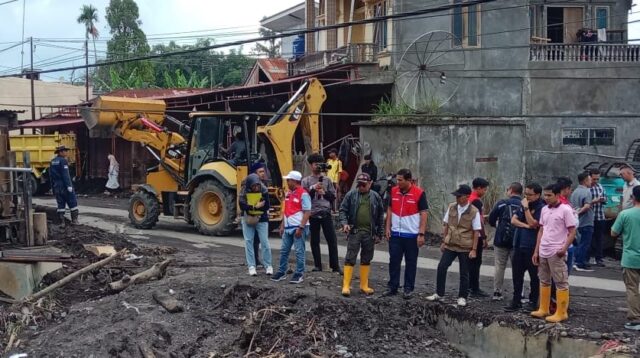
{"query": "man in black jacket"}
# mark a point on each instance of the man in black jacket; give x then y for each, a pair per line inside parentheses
(526, 222)
(361, 217)
(323, 193)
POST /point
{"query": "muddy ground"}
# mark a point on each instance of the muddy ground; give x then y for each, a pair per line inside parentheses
(227, 313)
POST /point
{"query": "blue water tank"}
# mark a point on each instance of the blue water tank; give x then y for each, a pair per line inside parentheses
(298, 46)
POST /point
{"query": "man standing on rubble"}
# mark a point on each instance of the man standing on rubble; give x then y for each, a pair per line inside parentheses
(361, 217)
(62, 185)
(480, 187)
(557, 232)
(628, 225)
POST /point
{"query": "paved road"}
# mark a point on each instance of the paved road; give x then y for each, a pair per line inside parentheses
(111, 215)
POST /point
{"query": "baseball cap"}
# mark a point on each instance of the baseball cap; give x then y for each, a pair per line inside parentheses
(363, 178)
(293, 175)
(61, 148)
(462, 190)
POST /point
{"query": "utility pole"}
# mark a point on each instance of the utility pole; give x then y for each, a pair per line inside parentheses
(32, 75)
(86, 63)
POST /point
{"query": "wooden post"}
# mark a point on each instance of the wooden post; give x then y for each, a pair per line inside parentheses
(40, 228)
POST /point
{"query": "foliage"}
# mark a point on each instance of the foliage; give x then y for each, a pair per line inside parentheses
(127, 41)
(181, 81)
(88, 17)
(387, 107)
(269, 48)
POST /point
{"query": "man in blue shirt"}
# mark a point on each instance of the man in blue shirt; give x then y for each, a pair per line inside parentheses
(62, 185)
(526, 223)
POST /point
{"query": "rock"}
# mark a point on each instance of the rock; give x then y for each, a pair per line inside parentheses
(428, 343)
(480, 325)
(563, 334)
(606, 335)
(540, 326)
(503, 323)
(223, 286)
(595, 335)
(258, 350)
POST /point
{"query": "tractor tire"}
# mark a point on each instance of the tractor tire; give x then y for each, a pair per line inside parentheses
(213, 209)
(144, 210)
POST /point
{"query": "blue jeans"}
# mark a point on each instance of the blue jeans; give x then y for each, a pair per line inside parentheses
(288, 240)
(570, 256)
(249, 233)
(400, 247)
(584, 244)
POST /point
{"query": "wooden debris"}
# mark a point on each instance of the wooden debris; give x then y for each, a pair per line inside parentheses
(73, 276)
(157, 271)
(145, 350)
(170, 303)
(100, 250)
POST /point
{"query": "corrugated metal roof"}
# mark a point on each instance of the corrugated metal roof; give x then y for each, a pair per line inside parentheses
(275, 68)
(156, 92)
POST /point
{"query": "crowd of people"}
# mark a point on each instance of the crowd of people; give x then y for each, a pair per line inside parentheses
(544, 232)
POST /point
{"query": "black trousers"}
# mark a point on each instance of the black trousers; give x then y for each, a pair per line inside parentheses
(474, 268)
(448, 256)
(521, 263)
(326, 223)
(599, 230)
(256, 248)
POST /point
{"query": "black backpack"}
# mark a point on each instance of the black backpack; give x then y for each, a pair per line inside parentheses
(507, 229)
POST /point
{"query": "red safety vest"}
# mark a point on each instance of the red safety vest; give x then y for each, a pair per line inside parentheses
(405, 216)
(293, 208)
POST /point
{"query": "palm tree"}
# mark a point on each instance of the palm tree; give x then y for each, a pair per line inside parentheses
(88, 17)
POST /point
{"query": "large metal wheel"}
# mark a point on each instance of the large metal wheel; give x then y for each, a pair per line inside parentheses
(213, 209)
(430, 71)
(144, 210)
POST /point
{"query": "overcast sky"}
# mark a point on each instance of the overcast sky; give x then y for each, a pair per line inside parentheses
(224, 20)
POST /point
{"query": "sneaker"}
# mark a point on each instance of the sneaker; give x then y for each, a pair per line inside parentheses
(434, 298)
(513, 306)
(388, 293)
(407, 295)
(497, 296)
(338, 271)
(316, 269)
(269, 270)
(634, 326)
(582, 268)
(462, 302)
(532, 306)
(524, 300)
(279, 276)
(478, 294)
(252, 271)
(297, 278)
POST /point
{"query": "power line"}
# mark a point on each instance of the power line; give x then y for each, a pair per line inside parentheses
(266, 38)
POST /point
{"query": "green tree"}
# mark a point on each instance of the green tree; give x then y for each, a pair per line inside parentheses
(127, 41)
(88, 17)
(270, 48)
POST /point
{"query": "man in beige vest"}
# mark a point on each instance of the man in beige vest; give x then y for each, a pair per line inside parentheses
(462, 226)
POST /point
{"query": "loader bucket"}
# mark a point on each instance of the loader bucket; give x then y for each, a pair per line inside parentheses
(106, 111)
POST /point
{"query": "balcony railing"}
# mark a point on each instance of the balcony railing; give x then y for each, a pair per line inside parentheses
(352, 53)
(584, 53)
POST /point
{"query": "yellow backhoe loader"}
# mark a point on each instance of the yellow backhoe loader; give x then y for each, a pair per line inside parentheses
(193, 180)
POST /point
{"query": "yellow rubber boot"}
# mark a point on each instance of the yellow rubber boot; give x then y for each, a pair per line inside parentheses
(346, 280)
(562, 299)
(364, 280)
(544, 300)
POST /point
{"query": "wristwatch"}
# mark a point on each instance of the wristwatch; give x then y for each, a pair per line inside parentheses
(526, 208)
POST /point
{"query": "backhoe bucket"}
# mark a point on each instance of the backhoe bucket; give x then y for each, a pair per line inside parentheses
(106, 111)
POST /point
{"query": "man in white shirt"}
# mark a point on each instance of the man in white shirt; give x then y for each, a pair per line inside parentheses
(462, 225)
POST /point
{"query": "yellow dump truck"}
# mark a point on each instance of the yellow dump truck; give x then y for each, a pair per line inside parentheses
(41, 148)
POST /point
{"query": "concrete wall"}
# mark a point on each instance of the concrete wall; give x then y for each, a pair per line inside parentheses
(17, 92)
(444, 154)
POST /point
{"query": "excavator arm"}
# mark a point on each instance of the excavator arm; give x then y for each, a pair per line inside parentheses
(300, 110)
(138, 120)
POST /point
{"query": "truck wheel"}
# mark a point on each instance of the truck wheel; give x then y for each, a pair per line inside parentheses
(213, 209)
(34, 185)
(144, 210)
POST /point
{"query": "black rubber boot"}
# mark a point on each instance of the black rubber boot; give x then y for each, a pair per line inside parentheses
(62, 220)
(74, 217)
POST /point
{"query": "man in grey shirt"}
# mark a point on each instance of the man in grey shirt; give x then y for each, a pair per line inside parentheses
(581, 201)
(322, 193)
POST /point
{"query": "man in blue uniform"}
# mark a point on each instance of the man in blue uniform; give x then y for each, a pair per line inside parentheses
(62, 186)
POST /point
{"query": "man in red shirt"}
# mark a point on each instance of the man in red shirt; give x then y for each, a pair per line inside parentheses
(480, 187)
(406, 224)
